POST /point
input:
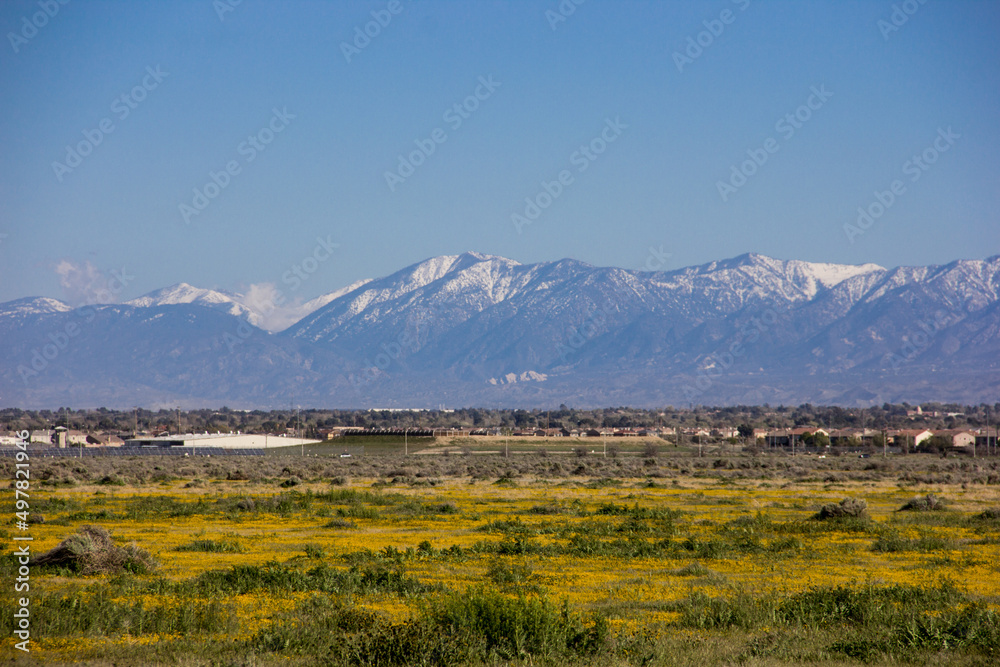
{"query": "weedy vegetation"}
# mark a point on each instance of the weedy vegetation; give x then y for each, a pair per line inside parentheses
(641, 558)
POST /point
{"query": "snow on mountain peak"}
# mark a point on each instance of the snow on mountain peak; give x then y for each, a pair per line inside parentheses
(38, 305)
(182, 293)
(831, 275)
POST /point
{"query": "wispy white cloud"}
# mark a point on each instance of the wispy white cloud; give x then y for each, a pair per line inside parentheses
(273, 310)
(83, 283)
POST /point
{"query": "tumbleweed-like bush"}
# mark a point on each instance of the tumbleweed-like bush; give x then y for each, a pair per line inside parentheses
(92, 550)
(848, 507)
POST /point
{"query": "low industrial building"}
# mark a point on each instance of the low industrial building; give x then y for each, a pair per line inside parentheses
(220, 440)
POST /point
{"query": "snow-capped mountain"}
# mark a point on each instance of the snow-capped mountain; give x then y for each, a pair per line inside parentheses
(480, 329)
(182, 293)
(39, 305)
(259, 307)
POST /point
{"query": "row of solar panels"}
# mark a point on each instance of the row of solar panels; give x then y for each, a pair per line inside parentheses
(412, 432)
(73, 453)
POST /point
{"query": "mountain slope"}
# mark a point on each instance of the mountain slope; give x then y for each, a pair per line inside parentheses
(480, 329)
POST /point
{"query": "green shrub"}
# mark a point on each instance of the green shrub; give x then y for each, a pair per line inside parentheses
(549, 508)
(478, 626)
(102, 613)
(214, 546)
(695, 569)
(893, 542)
(499, 627)
(277, 578)
(358, 512)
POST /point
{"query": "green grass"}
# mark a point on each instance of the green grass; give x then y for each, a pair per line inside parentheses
(873, 621)
(214, 546)
(893, 543)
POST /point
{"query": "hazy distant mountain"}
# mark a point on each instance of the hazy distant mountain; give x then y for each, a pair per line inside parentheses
(478, 329)
(182, 293)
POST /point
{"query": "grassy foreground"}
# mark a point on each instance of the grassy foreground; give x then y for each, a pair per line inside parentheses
(526, 560)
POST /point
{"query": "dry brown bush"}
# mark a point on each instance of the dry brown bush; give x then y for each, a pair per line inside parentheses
(92, 550)
(848, 507)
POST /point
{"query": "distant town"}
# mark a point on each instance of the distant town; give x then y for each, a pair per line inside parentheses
(888, 429)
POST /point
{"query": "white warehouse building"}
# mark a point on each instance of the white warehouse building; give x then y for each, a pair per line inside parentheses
(221, 440)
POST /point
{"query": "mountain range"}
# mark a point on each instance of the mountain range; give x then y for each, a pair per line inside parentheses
(476, 329)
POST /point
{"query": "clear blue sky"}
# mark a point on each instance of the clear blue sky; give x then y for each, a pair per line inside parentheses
(323, 175)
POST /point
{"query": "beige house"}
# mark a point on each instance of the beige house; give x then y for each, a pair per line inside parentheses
(909, 436)
(959, 437)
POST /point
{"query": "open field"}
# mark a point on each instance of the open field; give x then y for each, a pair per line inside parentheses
(523, 560)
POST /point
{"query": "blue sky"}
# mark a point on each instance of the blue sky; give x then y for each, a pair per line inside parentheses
(198, 86)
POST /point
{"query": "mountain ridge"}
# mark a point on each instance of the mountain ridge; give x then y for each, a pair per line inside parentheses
(456, 327)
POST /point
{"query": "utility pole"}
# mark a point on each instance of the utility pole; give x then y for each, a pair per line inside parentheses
(988, 434)
(974, 443)
(178, 420)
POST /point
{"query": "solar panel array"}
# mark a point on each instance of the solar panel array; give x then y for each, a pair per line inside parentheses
(74, 453)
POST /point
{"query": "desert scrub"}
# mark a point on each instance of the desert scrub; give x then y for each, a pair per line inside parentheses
(621, 550)
(856, 508)
(92, 550)
(926, 503)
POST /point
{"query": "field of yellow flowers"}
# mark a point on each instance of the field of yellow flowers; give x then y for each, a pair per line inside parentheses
(656, 566)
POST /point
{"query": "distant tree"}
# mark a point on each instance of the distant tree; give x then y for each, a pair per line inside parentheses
(878, 441)
(938, 443)
(745, 431)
